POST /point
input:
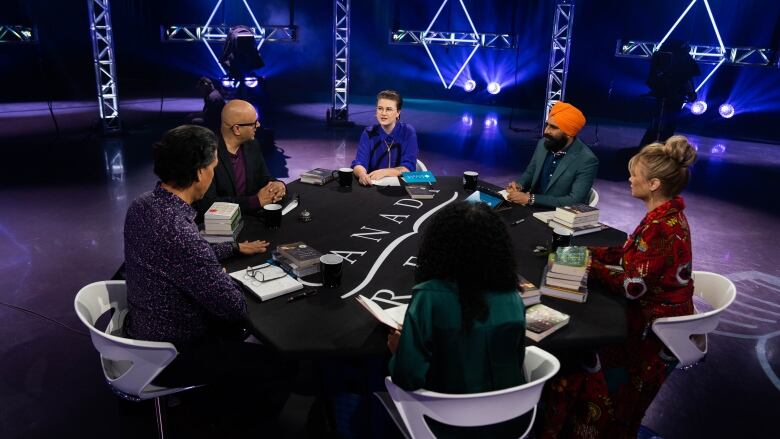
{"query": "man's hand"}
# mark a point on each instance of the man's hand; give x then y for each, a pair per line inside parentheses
(252, 247)
(518, 197)
(271, 193)
(513, 187)
(392, 340)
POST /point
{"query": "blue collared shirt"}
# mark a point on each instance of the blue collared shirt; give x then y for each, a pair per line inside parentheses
(176, 289)
(379, 150)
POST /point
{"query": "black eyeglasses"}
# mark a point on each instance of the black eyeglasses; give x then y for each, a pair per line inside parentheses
(250, 124)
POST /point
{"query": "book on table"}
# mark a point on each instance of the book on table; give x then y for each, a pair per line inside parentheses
(577, 213)
(528, 291)
(572, 260)
(578, 230)
(268, 281)
(420, 191)
(417, 177)
(541, 321)
(575, 294)
(566, 274)
(392, 317)
(544, 217)
(318, 176)
(292, 267)
(215, 237)
(300, 254)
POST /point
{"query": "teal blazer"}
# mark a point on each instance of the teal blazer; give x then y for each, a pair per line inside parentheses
(571, 181)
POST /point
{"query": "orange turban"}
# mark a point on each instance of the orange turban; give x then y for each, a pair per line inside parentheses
(568, 118)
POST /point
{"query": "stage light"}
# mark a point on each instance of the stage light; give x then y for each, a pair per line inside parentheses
(250, 81)
(470, 85)
(718, 149)
(494, 88)
(467, 120)
(726, 111)
(698, 107)
(491, 121)
(229, 83)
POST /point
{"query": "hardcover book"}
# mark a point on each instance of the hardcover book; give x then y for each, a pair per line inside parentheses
(420, 191)
(318, 176)
(415, 177)
(300, 254)
(541, 321)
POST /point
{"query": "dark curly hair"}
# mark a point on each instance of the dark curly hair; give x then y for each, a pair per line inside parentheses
(468, 244)
(181, 152)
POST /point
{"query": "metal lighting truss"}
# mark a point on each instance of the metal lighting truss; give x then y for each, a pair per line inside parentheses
(558, 70)
(487, 41)
(718, 55)
(10, 33)
(207, 33)
(105, 64)
(339, 111)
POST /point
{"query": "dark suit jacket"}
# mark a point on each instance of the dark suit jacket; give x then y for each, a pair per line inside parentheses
(223, 188)
(571, 181)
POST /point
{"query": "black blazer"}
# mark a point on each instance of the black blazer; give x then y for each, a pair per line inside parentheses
(223, 187)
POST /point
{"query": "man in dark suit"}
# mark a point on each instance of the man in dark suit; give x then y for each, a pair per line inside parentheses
(562, 169)
(241, 176)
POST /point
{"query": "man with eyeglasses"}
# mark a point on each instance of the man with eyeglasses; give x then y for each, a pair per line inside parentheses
(241, 176)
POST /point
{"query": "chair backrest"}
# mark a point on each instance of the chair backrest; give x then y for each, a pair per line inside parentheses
(679, 333)
(468, 410)
(593, 198)
(129, 365)
(421, 166)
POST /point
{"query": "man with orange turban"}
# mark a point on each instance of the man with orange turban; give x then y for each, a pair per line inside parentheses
(562, 169)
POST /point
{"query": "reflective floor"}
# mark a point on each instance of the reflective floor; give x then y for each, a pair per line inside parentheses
(64, 191)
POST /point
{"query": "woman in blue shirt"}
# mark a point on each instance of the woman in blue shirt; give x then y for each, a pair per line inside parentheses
(388, 148)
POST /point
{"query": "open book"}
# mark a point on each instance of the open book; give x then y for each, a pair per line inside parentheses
(392, 317)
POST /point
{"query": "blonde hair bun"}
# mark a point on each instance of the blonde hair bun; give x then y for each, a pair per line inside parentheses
(679, 149)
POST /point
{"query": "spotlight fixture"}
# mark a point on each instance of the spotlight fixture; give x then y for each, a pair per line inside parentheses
(250, 81)
(467, 120)
(494, 88)
(698, 107)
(229, 83)
(470, 85)
(726, 111)
(491, 121)
(718, 149)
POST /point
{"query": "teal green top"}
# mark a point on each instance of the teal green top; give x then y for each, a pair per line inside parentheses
(433, 352)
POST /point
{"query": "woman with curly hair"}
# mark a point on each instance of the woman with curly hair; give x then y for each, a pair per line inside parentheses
(465, 326)
(653, 271)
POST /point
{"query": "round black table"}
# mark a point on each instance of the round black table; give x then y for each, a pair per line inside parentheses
(377, 230)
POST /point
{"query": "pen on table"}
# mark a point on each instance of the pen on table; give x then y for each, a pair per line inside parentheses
(514, 223)
(301, 295)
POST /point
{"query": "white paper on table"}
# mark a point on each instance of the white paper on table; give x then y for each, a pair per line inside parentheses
(387, 181)
(545, 217)
(504, 193)
(272, 288)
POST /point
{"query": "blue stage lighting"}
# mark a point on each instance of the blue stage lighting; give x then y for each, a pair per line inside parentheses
(229, 83)
(494, 88)
(491, 121)
(698, 107)
(470, 85)
(250, 81)
(718, 149)
(726, 111)
(467, 120)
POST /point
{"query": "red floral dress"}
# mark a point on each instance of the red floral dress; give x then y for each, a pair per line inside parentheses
(653, 270)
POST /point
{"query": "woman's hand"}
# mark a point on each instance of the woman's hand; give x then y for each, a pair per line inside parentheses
(252, 247)
(392, 340)
(382, 173)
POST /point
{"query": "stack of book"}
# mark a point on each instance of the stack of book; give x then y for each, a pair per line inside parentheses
(298, 258)
(577, 218)
(318, 176)
(566, 274)
(541, 321)
(528, 291)
(420, 191)
(222, 223)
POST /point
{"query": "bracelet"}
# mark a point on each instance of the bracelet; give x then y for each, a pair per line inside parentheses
(531, 200)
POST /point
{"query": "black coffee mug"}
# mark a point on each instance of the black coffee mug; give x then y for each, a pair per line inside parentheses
(272, 213)
(331, 267)
(561, 238)
(345, 177)
(470, 179)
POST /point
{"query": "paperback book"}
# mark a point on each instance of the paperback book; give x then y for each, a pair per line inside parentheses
(392, 317)
(541, 321)
(318, 176)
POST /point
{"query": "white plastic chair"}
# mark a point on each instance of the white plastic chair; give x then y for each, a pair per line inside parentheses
(128, 365)
(683, 335)
(421, 166)
(475, 409)
(593, 198)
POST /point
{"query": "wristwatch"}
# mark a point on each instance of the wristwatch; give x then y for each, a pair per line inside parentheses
(531, 199)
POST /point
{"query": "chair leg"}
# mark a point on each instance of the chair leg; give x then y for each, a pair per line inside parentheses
(159, 417)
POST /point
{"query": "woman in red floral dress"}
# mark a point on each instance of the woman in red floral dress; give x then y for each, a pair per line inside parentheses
(653, 271)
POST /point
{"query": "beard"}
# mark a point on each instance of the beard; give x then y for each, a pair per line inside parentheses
(554, 144)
